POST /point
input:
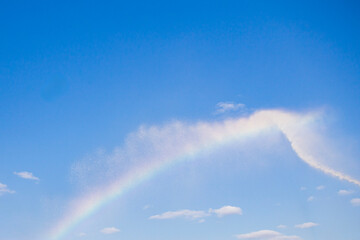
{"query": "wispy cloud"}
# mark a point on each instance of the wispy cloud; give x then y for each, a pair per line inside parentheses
(345, 192)
(267, 235)
(355, 201)
(311, 198)
(303, 188)
(226, 210)
(281, 226)
(27, 175)
(306, 225)
(222, 107)
(163, 143)
(82, 234)
(4, 189)
(150, 149)
(321, 187)
(110, 230)
(189, 214)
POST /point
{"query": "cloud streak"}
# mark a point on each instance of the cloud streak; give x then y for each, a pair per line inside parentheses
(27, 175)
(306, 225)
(4, 189)
(223, 107)
(153, 149)
(110, 230)
(345, 192)
(266, 235)
(191, 214)
(355, 202)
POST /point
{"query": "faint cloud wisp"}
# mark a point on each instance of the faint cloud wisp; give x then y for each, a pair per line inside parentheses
(266, 235)
(223, 107)
(306, 225)
(27, 175)
(345, 192)
(4, 189)
(110, 230)
(191, 214)
(355, 202)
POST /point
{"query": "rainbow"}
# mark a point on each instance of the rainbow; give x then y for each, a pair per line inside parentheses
(178, 142)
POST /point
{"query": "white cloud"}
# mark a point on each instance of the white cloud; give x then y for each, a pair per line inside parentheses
(222, 107)
(355, 201)
(345, 192)
(152, 148)
(267, 235)
(189, 214)
(226, 210)
(162, 144)
(281, 226)
(303, 188)
(26, 175)
(110, 230)
(321, 187)
(4, 189)
(306, 225)
(311, 198)
(81, 234)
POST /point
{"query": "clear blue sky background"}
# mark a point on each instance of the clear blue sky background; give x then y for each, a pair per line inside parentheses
(79, 76)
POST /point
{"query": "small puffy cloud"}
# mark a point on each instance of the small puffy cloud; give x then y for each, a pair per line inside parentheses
(189, 214)
(303, 188)
(226, 210)
(311, 198)
(355, 201)
(201, 220)
(321, 187)
(306, 225)
(281, 226)
(267, 235)
(110, 230)
(345, 192)
(4, 189)
(222, 107)
(27, 175)
(81, 234)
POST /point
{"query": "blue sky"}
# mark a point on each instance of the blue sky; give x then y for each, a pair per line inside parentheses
(188, 120)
